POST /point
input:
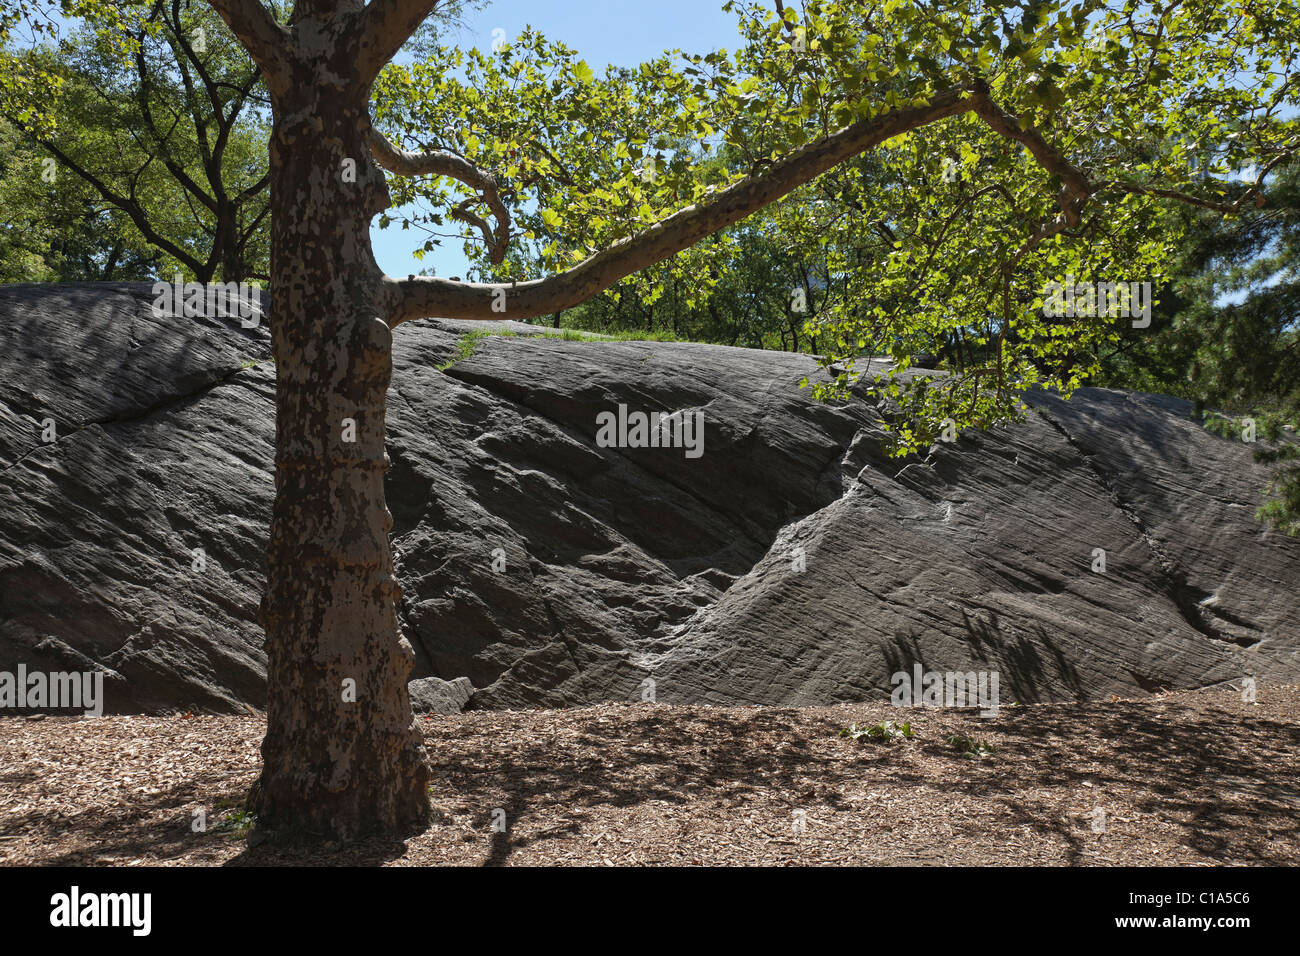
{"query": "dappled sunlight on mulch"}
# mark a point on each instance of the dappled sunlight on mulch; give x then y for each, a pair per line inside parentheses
(1196, 778)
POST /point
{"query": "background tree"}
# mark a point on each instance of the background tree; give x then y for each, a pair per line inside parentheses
(158, 115)
(175, 141)
(44, 233)
(59, 229)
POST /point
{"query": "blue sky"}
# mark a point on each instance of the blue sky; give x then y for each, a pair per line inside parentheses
(604, 32)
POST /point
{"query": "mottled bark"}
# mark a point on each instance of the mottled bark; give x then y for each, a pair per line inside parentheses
(333, 766)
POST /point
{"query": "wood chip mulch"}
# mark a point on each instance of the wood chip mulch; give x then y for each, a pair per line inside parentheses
(1192, 778)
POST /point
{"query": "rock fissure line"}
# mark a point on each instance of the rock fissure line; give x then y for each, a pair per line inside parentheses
(558, 632)
(132, 415)
(1180, 592)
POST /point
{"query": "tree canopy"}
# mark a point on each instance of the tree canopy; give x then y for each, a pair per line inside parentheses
(1082, 121)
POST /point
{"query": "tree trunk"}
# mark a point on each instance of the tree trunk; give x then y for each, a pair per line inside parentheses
(342, 756)
(227, 240)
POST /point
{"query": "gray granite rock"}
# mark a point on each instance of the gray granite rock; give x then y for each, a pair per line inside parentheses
(163, 441)
(791, 562)
(433, 695)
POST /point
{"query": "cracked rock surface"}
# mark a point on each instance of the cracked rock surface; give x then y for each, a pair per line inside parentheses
(791, 563)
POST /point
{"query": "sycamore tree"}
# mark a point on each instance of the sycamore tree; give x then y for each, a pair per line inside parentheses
(1070, 125)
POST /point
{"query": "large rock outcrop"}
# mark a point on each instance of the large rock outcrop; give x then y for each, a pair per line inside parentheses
(792, 562)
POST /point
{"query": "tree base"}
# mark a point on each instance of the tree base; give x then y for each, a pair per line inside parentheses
(299, 808)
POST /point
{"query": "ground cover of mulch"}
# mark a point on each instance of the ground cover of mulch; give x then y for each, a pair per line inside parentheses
(1192, 778)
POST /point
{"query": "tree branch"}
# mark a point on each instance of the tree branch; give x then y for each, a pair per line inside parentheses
(1226, 208)
(142, 99)
(384, 26)
(261, 34)
(442, 163)
(226, 123)
(461, 211)
(420, 296)
(1076, 189)
(182, 50)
